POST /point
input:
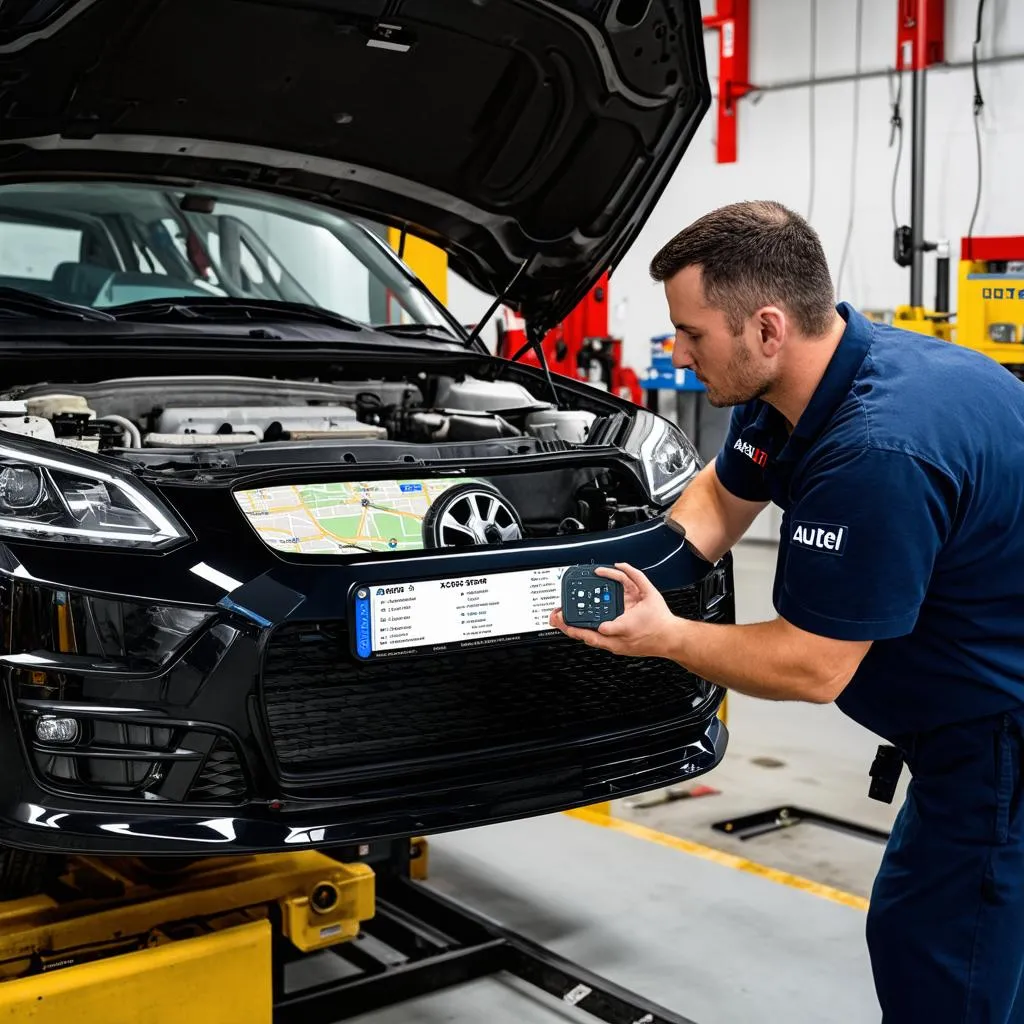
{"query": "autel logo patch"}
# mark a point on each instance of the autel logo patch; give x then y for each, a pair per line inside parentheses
(821, 537)
(757, 455)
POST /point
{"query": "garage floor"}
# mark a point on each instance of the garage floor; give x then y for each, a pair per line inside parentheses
(691, 922)
(716, 944)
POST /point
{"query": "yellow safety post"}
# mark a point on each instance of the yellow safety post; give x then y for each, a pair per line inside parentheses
(426, 261)
(419, 859)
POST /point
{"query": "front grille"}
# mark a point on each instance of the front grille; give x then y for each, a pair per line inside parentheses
(325, 710)
(221, 779)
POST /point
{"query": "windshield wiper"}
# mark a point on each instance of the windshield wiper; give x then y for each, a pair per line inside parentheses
(230, 310)
(416, 330)
(29, 306)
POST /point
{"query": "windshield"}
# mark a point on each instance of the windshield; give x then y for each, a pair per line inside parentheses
(105, 245)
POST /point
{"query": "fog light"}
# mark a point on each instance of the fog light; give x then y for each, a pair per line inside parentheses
(56, 730)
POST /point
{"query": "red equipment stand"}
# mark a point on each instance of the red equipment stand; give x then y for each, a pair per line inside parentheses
(579, 347)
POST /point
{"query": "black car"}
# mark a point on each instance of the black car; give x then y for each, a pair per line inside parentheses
(278, 536)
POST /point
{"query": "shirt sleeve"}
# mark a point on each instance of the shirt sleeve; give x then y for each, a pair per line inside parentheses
(863, 536)
(738, 472)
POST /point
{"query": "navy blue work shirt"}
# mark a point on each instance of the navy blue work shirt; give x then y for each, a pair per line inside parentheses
(902, 490)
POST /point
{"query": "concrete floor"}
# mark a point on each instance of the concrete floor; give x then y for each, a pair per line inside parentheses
(810, 756)
(711, 943)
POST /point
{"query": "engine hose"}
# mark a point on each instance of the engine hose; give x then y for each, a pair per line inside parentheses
(134, 437)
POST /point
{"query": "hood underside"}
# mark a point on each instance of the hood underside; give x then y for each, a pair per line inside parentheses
(511, 133)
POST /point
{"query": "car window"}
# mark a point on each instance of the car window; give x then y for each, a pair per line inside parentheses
(127, 242)
(324, 269)
(34, 251)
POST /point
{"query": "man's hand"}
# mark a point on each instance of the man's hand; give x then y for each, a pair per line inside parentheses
(644, 627)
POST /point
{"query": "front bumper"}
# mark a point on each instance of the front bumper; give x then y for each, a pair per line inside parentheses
(228, 739)
(60, 823)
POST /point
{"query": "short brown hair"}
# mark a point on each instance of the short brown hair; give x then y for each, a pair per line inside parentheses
(755, 254)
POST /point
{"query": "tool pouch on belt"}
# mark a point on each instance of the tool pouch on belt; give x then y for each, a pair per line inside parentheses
(885, 773)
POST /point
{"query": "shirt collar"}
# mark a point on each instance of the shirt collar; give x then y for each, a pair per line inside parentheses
(836, 382)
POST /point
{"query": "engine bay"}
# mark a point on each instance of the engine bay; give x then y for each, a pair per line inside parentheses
(195, 412)
(211, 429)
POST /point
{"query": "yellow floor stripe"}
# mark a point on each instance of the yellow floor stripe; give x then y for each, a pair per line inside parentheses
(728, 860)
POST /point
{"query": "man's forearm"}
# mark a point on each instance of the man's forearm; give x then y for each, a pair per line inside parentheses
(770, 660)
(713, 519)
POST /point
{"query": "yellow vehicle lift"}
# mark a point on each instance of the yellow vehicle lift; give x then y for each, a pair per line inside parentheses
(218, 940)
(990, 302)
(120, 941)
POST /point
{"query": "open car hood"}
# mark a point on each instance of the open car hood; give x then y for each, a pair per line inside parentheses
(527, 137)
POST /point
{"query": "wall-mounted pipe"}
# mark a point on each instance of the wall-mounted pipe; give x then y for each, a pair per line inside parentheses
(803, 83)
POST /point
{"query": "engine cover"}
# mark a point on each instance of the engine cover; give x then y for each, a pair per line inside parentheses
(266, 423)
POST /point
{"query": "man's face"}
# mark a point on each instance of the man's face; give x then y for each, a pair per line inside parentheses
(730, 366)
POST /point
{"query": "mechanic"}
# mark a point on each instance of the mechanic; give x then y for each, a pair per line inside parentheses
(898, 462)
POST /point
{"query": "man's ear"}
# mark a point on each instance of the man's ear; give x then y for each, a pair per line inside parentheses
(772, 326)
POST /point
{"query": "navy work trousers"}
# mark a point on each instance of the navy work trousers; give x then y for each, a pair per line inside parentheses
(945, 927)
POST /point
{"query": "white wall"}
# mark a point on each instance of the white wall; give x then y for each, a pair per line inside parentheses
(775, 158)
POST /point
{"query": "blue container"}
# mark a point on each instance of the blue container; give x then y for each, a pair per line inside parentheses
(661, 375)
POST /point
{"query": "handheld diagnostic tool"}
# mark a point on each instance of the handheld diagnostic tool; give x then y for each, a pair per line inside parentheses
(589, 599)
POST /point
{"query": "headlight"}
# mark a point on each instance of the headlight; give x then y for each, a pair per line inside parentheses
(64, 500)
(668, 458)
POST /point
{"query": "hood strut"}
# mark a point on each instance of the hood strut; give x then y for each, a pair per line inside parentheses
(474, 337)
(534, 337)
(532, 333)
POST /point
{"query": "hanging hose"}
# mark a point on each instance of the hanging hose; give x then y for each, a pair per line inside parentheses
(979, 102)
(854, 148)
